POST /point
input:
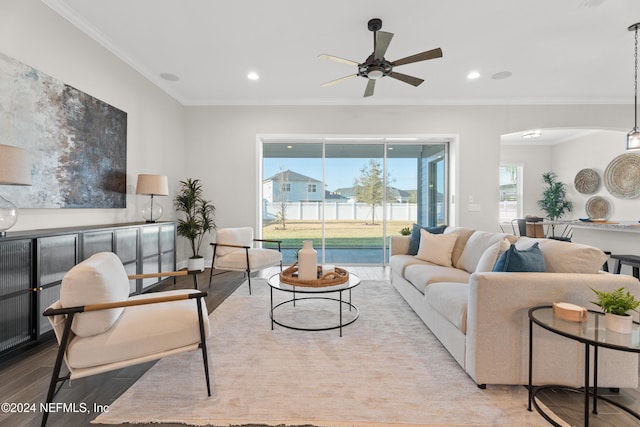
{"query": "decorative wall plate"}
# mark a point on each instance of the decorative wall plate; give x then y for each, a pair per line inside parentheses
(622, 176)
(587, 181)
(598, 208)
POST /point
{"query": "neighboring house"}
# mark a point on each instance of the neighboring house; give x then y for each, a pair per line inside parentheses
(291, 186)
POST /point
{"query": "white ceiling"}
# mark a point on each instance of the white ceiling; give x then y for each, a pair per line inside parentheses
(568, 51)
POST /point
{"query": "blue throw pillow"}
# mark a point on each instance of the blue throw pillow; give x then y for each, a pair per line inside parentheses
(526, 260)
(414, 243)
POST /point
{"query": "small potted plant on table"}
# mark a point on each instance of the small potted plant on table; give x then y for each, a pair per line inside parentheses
(198, 219)
(616, 306)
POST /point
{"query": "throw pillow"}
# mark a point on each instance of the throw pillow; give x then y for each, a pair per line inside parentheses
(491, 255)
(414, 242)
(436, 248)
(527, 260)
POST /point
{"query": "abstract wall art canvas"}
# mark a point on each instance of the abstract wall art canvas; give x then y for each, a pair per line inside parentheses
(77, 143)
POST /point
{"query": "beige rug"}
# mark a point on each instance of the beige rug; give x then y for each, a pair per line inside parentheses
(387, 369)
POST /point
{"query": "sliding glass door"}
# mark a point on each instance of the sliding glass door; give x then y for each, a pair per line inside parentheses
(348, 196)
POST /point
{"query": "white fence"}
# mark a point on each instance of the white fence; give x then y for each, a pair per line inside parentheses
(313, 211)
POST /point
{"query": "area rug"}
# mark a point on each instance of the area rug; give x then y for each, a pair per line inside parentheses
(387, 369)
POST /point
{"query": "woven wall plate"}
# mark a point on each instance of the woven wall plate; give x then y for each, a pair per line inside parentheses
(622, 176)
(587, 181)
(598, 208)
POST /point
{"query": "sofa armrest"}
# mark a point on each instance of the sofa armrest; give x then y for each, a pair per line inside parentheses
(497, 322)
(399, 245)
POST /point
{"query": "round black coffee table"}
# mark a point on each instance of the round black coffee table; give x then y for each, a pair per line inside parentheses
(314, 293)
(592, 333)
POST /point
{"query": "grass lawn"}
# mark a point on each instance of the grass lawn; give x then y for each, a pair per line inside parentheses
(352, 234)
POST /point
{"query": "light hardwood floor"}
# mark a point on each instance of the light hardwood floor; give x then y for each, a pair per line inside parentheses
(25, 378)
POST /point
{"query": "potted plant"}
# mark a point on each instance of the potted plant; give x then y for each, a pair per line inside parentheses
(405, 231)
(553, 198)
(616, 305)
(198, 219)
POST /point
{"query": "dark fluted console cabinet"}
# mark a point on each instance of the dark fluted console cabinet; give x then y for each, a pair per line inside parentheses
(32, 264)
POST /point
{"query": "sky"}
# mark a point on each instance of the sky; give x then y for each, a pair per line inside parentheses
(340, 173)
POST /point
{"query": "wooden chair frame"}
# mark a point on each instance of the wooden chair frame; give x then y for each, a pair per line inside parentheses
(70, 312)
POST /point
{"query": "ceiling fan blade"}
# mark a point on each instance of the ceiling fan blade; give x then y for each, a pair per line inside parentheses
(341, 79)
(429, 54)
(381, 43)
(337, 59)
(370, 87)
(405, 78)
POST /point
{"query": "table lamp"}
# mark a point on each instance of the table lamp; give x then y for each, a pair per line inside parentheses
(152, 185)
(15, 169)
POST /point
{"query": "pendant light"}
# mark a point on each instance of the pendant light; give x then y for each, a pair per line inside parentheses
(633, 137)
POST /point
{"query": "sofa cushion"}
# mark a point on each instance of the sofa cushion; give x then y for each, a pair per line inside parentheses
(414, 243)
(436, 248)
(565, 257)
(398, 263)
(488, 259)
(525, 260)
(100, 278)
(463, 235)
(476, 245)
(242, 236)
(424, 274)
(142, 330)
(451, 301)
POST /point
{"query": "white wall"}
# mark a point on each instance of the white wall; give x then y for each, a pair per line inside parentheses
(593, 151)
(35, 35)
(225, 140)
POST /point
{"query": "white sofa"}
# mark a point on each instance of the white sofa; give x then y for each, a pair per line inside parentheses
(481, 317)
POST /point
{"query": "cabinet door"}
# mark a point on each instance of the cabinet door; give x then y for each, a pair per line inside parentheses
(56, 256)
(16, 294)
(96, 241)
(150, 254)
(158, 251)
(168, 247)
(127, 250)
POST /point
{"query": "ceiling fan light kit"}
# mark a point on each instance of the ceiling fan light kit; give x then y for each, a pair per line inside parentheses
(376, 66)
(633, 137)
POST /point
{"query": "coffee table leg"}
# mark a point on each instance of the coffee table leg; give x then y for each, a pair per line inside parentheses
(340, 313)
(349, 299)
(530, 363)
(271, 307)
(586, 385)
(294, 295)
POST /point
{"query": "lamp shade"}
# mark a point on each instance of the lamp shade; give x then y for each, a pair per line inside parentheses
(156, 185)
(15, 166)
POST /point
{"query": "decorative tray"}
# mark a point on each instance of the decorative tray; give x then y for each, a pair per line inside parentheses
(332, 278)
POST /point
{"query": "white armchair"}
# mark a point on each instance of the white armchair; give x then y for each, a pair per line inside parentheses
(99, 328)
(234, 251)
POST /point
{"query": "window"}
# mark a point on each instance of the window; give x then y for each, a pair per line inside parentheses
(285, 187)
(357, 194)
(510, 192)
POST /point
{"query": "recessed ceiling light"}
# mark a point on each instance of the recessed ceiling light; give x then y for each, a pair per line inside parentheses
(170, 77)
(289, 147)
(532, 134)
(473, 75)
(253, 76)
(502, 75)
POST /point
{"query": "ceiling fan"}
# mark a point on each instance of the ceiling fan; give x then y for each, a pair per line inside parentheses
(376, 66)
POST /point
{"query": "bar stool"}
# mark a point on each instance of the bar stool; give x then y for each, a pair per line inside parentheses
(605, 266)
(631, 260)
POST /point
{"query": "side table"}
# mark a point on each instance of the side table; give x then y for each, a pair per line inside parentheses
(592, 333)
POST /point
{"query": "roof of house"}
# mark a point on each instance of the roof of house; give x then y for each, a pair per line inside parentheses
(291, 176)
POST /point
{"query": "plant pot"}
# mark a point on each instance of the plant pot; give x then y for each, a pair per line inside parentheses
(195, 264)
(617, 323)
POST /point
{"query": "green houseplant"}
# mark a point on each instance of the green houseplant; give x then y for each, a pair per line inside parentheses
(406, 231)
(197, 218)
(616, 305)
(553, 199)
